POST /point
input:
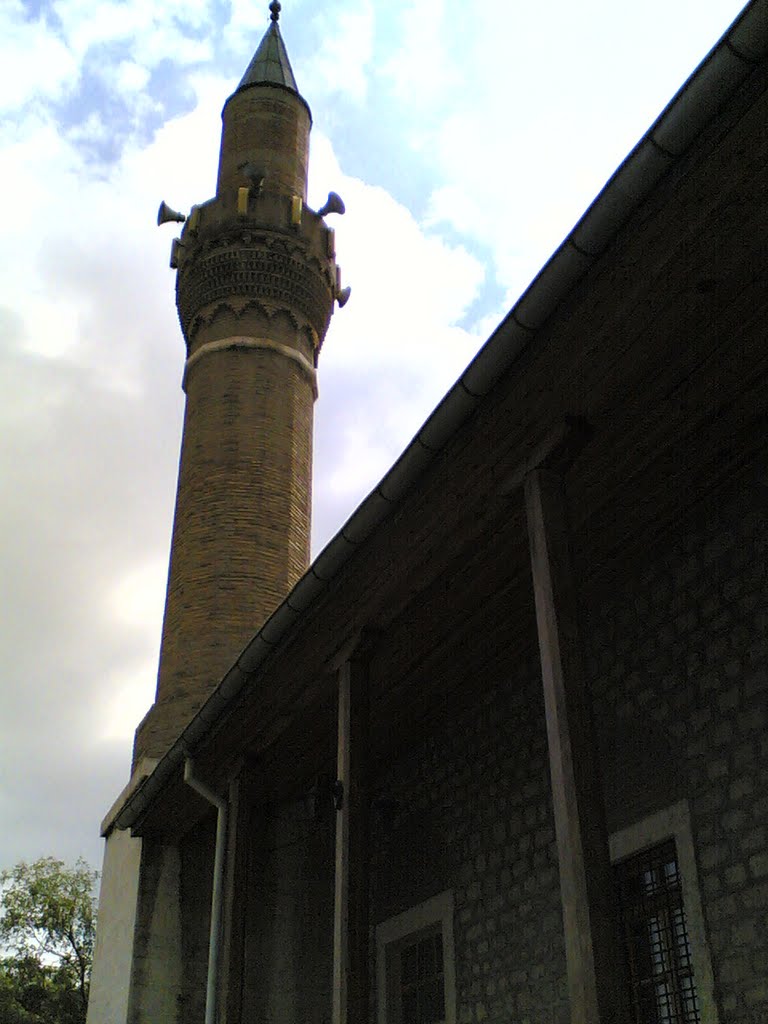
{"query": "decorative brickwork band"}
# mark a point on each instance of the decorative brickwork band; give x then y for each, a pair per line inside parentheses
(223, 344)
(282, 274)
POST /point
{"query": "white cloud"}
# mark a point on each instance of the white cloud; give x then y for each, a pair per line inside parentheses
(397, 346)
(341, 61)
(419, 284)
(128, 691)
(90, 369)
(155, 31)
(85, 25)
(421, 73)
(35, 62)
(130, 76)
(240, 28)
(515, 166)
(136, 599)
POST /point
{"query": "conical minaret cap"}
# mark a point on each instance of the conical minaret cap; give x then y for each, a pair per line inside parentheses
(270, 64)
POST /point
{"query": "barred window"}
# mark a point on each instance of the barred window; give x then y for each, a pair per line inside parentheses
(417, 979)
(656, 940)
(415, 969)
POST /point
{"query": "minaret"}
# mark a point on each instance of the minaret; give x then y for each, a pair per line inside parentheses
(255, 287)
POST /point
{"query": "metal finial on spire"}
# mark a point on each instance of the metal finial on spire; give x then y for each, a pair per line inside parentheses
(275, 8)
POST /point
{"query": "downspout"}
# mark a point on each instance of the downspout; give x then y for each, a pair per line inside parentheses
(220, 804)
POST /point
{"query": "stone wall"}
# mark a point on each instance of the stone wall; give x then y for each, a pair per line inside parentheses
(473, 814)
(197, 850)
(676, 654)
(155, 988)
(241, 527)
(289, 888)
(678, 661)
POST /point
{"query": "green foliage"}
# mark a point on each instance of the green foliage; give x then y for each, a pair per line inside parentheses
(47, 929)
(33, 993)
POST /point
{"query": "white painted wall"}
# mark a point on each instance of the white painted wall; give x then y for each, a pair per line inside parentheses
(113, 954)
(157, 968)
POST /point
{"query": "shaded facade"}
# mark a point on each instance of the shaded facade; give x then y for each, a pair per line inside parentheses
(501, 753)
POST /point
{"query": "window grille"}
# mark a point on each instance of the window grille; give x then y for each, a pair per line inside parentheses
(655, 935)
(415, 964)
(417, 979)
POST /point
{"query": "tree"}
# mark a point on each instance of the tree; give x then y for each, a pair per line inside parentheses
(47, 926)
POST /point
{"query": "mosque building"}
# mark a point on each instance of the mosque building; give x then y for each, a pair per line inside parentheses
(498, 755)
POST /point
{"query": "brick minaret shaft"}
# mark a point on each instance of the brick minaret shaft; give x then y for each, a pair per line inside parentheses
(255, 289)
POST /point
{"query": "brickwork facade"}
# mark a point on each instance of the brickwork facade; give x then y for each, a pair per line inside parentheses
(268, 127)
(255, 290)
(676, 660)
(245, 473)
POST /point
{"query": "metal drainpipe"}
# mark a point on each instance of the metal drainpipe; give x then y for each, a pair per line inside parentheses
(220, 804)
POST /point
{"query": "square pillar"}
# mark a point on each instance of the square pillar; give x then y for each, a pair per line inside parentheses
(350, 933)
(596, 981)
(235, 904)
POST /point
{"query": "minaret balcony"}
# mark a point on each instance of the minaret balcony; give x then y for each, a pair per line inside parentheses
(256, 246)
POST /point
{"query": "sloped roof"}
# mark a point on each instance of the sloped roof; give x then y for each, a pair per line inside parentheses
(270, 64)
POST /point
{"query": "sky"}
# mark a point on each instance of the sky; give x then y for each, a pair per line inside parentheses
(466, 141)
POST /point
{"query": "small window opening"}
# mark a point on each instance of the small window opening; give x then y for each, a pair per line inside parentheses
(416, 978)
(656, 940)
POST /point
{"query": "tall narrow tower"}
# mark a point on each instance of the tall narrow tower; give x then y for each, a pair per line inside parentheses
(255, 288)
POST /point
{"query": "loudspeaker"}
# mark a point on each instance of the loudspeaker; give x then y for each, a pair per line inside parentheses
(166, 214)
(334, 204)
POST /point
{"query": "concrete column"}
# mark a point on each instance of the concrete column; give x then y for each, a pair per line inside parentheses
(350, 933)
(235, 903)
(596, 982)
(287, 963)
(156, 984)
(113, 953)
